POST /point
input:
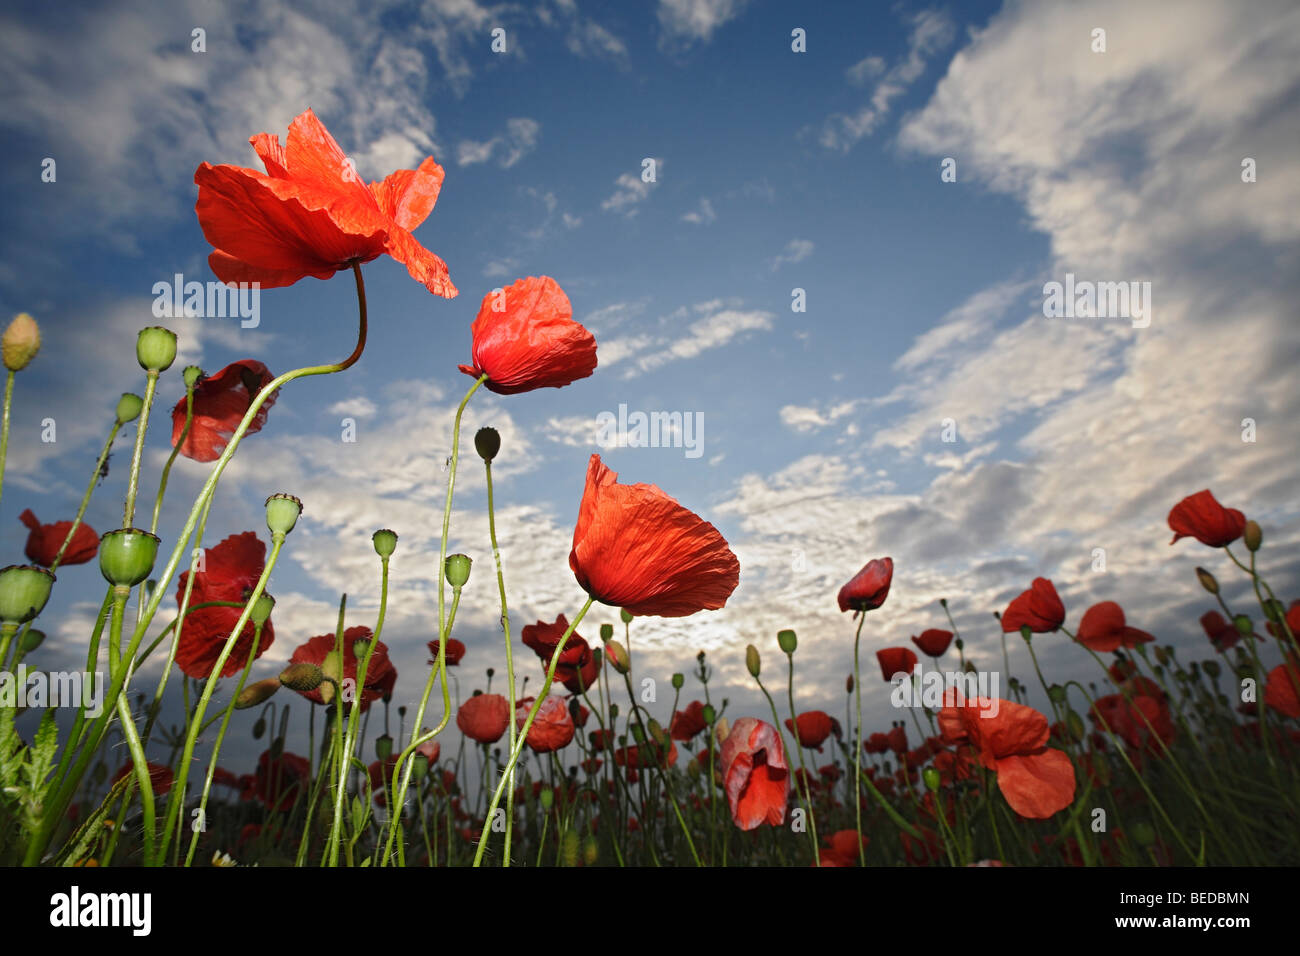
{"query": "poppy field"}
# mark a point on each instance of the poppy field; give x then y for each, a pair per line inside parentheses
(1162, 758)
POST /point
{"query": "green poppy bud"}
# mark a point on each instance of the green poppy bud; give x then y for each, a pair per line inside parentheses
(258, 693)
(678, 681)
(261, 609)
(1245, 627)
(385, 542)
(24, 589)
(1074, 724)
(618, 658)
(32, 640)
(193, 375)
(547, 797)
(129, 407)
(606, 633)
(932, 779)
(259, 728)
(1207, 580)
(458, 566)
(625, 616)
(1057, 694)
(21, 342)
(383, 747)
(709, 714)
(302, 676)
(126, 556)
(848, 684)
(419, 766)
(1253, 536)
(752, 661)
(787, 641)
(282, 513)
(613, 711)
(487, 442)
(155, 348)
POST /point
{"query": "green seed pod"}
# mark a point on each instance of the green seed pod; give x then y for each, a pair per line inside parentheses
(383, 747)
(625, 616)
(262, 608)
(32, 640)
(193, 375)
(709, 714)
(678, 681)
(129, 407)
(24, 590)
(1074, 724)
(155, 348)
(487, 442)
(458, 566)
(419, 766)
(606, 632)
(126, 556)
(787, 641)
(613, 710)
(547, 797)
(1144, 833)
(385, 542)
(1245, 627)
(282, 513)
(932, 779)
(1057, 694)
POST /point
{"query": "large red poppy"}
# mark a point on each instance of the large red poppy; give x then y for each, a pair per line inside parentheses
(933, 641)
(896, 660)
(1036, 780)
(44, 541)
(1201, 517)
(814, 727)
(689, 722)
(220, 403)
(484, 717)
(868, 589)
(577, 669)
(1040, 607)
(231, 572)
(455, 651)
(1282, 690)
(1140, 720)
(636, 548)
(525, 338)
(378, 670)
(311, 215)
(755, 774)
(1103, 629)
(552, 729)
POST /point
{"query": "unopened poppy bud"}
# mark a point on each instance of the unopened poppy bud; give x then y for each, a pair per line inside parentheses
(419, 766)
(547, 797)
(24, 589)
(21, 342)
(606, 633)
(383, 747)
(303, 676)
(959, 644)
(259, 728)
(721, 730)
(1243, 624)
(613, 710)
(282, 513)
(787, 641)
(932, 779)
(1074, 724)
(625, 616)
(638, 733)
(708, 713)
(458, 566)
(258, 693)
(657, 731)
(192, 375)
(155, 348)
(1025, 632)
(752, 661)
(618, 658)
(678, 681)
(129, 407)
(487, 442)
(32, 640)
(126, 556)
(1207, 580)
(970, 668)
(261, 609)
(1057, 694)
(848, 684)
(1253, 536)
(1211, 668)
(385, 542)
(1144, 833)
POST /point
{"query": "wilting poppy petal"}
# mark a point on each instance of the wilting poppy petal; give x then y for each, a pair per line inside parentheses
(220, 403)
(1040, 607)
(1201, 517)
(755, 774)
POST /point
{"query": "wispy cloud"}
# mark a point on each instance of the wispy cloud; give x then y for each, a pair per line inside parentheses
(796, 250)
(688, 21)
(630, 191)
(509, 147)
(702, 215)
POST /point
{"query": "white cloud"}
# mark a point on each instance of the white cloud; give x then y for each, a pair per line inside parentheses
(518, 140)
(796, 250)
(702, 215)
(802, 418)
(631, 191)
(696, 20)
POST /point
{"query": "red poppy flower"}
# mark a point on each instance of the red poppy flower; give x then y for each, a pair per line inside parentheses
(455, 651)
(897, 740)
(636, 548)
(1139, 721)
(933, 641)
(279, 781)
(220, 403)
(160, 777)
(1040, 607)
(311, 215)
(896, 660)
(844, 848)
(755, 774)
(1011, 739)
(643, 755)
(44, 541)
(377, 670)
(1292, 618)
(601, 739)
(1201, 517)
(221, 777)
(577, 668)
(231, 572)
(1282, 690)
(689, 722)
(430, 749)
(876, 744)
(869, 587)
(1103, 630)
(552, 728)
(814, 727)
(529, 340)
(484, 717)
(1222, 633)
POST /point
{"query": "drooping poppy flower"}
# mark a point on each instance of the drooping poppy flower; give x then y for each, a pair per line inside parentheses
(1201, 517)
(279, 781)
(933, 641)
(814, 727)
(689, 722)
(577, 668)
(525, 338)
(321, 652)
(1282, 689)
(868, 589)
(220, 403)
(160, 776)
(896, 660)
(1040, 607)
(44, 541)
(1222, 633)
(231, 570)
(1140, 721)
(755, 774)
(1011, 739)
(552, 729)
(484, 717)
(310, 214)
(1103, 629)
(455, 651)
(637, 549)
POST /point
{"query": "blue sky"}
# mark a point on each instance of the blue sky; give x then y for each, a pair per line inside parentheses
(775, 171)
